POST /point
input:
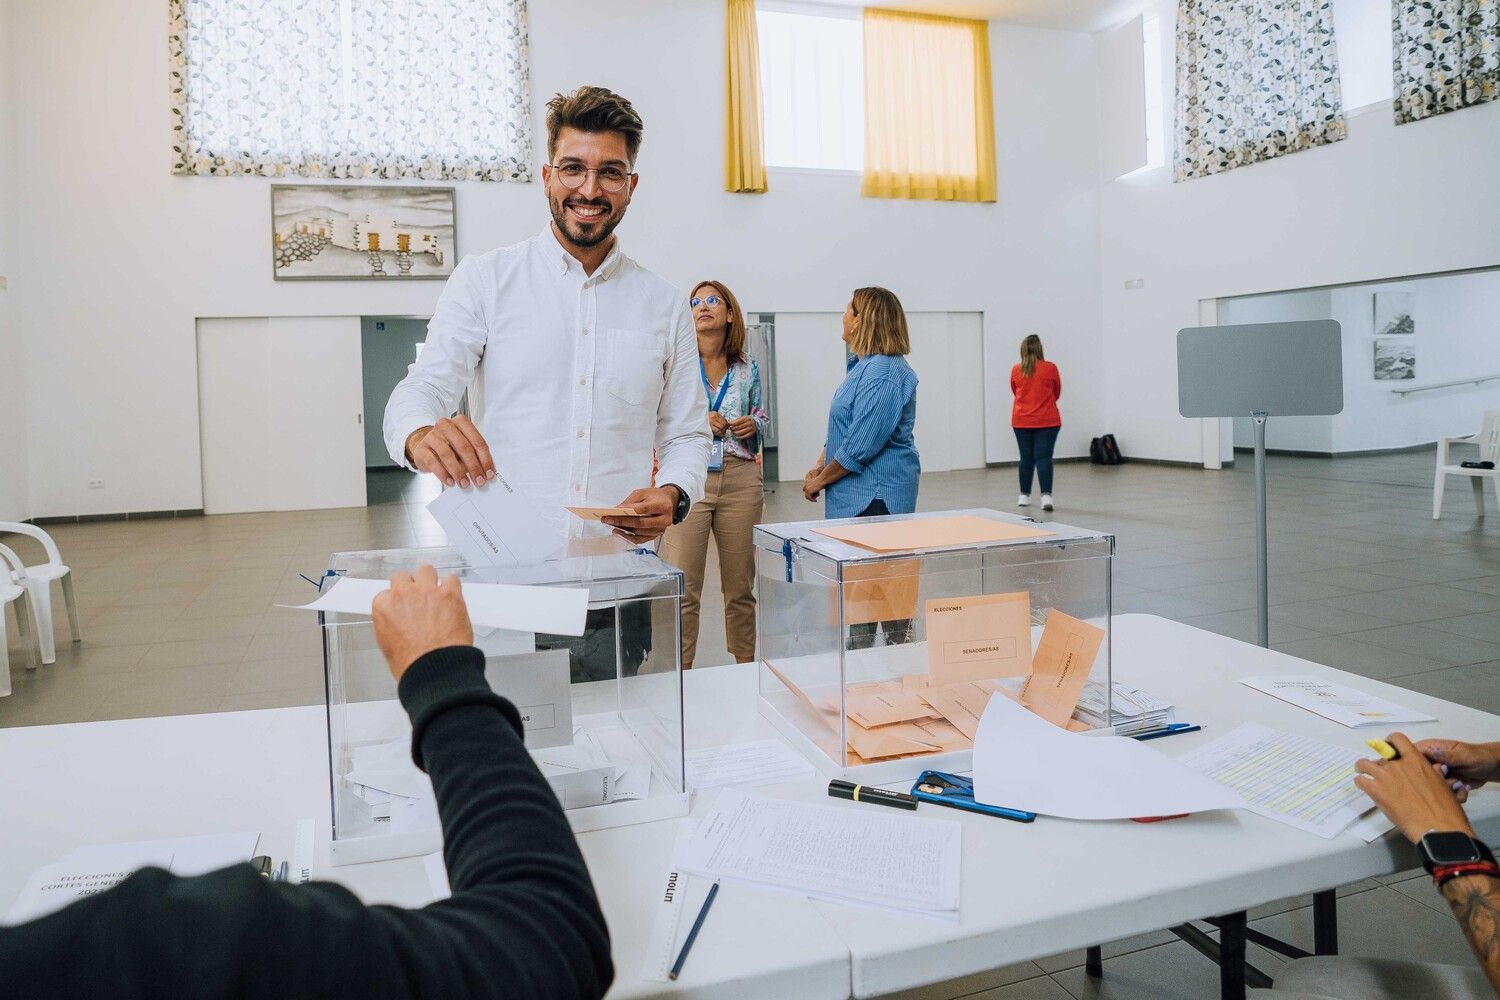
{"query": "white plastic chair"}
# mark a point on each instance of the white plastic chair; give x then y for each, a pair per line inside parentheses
(10, 564)
(1488, 440)
(38, 582)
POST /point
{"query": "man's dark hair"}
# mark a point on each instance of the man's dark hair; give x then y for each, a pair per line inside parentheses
(594, 109)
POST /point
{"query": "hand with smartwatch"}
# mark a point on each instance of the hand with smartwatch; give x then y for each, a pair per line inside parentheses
(1414, 792)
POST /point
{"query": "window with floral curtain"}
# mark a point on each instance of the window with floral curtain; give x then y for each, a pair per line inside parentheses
(1255, 80)
(432, 89)
(1447, 55)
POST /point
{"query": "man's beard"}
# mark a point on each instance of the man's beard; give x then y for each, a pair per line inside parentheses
(602, 233)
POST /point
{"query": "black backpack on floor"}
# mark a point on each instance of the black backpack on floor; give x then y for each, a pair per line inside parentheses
(1105, 451)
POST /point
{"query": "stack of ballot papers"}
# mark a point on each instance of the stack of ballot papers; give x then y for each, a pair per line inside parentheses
(89, 871)
(847, 854)
(1133, 711)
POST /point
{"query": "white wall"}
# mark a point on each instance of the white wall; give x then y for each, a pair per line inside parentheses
(386, 355)
(13, 502)
(1386, 202)
(1458, 335)
(109, 337)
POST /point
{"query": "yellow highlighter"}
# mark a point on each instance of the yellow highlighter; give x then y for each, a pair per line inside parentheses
(1386, 751)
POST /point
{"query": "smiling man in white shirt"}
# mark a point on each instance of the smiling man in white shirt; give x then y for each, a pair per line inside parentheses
(589, 360)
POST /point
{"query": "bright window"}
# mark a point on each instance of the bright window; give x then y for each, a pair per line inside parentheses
(432, 89)
(1362, 29)
(1156, 129)
(812, 87)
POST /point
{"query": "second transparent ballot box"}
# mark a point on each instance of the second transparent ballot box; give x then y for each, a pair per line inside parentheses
(602, 711)
(882, 639)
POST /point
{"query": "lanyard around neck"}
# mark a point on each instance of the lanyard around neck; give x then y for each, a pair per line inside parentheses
(713, 402)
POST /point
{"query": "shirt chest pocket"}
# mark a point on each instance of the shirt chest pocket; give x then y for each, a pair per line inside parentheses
(633, 365)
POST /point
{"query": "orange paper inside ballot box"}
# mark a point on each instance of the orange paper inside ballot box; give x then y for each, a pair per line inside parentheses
(930, 533)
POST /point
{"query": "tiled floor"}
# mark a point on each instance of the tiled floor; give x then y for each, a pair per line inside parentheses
(177, 617)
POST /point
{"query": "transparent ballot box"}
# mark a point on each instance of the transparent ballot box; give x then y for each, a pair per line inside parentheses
(602, 711)
(880, 649)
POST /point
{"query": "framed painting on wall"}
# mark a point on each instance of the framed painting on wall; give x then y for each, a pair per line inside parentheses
(1393, 314)
(1395, 359)
(325, 232)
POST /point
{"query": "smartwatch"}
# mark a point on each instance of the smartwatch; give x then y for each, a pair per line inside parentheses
(1447, 854)
(681, 510)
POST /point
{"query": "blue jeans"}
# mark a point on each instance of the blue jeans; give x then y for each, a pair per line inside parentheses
(1036, 444)
(897, 631)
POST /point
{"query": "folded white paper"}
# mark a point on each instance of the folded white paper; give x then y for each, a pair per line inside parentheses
(1022, 761)
(493, 525)
(1343, 705)
(554, 610)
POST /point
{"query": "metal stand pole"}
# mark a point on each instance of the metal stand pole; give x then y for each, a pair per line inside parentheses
(1262, 567)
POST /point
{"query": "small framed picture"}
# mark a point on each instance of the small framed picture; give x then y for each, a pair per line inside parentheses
(379, 232)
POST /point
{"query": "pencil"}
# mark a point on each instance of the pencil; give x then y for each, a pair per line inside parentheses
(693, 934)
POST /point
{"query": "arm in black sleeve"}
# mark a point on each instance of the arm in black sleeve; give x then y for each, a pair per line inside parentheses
(523, 921)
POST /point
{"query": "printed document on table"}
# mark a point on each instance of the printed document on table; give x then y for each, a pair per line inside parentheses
(846, 854)
(1343, 705)
(1023, 761)
(760, 763)
(1292, 779)
(493, 525)
(89, 871)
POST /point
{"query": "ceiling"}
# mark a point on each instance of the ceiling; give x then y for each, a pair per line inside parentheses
(1065, 15)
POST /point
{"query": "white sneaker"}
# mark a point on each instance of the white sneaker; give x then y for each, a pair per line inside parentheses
(1024, 500)
(1046, 501)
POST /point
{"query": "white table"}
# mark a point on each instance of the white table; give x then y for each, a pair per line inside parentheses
(1028, 890)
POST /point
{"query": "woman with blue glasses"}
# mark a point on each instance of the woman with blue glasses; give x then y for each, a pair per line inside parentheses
(734, 495)
(870, 465)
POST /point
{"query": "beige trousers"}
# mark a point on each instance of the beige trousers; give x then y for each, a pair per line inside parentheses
(733, 500)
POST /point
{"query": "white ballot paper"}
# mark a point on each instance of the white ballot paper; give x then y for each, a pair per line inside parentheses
(493, 525)
(89, 871)
(1292, 779)
(847, 855)
(1343, 705)
(761, 762)
(1024, 762)
(554, 610)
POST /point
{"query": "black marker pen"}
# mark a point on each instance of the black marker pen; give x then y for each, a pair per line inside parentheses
(841, 789)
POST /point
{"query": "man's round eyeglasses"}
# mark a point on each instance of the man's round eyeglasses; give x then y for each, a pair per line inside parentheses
(572, 175)
(712, 300)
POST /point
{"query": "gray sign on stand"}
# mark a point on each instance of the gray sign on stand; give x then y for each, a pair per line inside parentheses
(1261, 370)
(1281, 369)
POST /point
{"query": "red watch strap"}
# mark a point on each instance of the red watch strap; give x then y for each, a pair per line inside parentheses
(1442, 874)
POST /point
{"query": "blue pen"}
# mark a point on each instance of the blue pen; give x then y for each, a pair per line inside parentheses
(1172, 730)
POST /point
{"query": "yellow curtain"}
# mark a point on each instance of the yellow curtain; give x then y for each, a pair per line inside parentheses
(929, 115)
(744, 147)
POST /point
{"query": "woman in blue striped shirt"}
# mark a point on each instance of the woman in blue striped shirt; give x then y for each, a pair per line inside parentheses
(870, 464)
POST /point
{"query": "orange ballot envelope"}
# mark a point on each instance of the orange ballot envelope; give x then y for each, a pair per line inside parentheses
(595, 513)
(881, 592)
(1061, 667)
(980, 637)
(930, 533)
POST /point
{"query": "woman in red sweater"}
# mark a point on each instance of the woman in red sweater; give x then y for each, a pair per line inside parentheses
(1037, 386)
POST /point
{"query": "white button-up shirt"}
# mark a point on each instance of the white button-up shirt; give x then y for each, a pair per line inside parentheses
(582, 376)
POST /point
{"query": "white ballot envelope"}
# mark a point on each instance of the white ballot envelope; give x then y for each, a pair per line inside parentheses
(494, 525)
